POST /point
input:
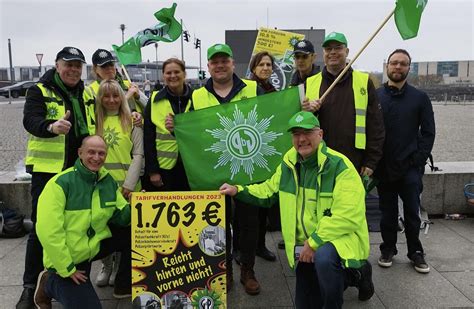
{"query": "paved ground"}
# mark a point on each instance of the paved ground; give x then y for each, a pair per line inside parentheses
(453, 137)
(449, 246)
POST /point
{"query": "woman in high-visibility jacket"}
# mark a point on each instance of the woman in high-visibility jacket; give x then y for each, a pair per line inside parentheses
(162, 160)
(104, 68)
(125, 151)
(261, 68)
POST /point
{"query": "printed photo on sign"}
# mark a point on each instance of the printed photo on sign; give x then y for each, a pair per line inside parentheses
(212, 240)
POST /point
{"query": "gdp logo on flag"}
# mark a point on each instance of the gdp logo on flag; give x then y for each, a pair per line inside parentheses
(243, 142)
(240, 142)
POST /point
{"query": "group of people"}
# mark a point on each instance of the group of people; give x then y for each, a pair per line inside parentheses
(88, 150)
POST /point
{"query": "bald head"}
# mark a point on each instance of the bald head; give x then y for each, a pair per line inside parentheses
(93, 152)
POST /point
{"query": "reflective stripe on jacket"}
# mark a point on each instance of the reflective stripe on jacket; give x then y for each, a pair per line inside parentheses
(361, 100)
(202, 98)
(47, 155)
(166, 145)
(336, 204)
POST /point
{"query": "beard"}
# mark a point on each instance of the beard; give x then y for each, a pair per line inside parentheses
(397, 77)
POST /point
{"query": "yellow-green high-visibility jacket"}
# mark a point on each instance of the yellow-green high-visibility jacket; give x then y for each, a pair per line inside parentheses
(361, 100)
(119, 149)
(326, 204)
(166, 145)
(48, 155)
(203, 98)
(74, 210)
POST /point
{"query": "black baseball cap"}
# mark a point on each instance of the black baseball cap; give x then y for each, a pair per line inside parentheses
(69, 53)
(102, 57)
(303, 47)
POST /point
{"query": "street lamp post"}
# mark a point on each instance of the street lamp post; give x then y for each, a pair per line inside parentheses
(122, 27)
(156, 58)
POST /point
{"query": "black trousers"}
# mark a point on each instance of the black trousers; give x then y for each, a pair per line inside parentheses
(409, 188)
(34, 250)
(246, 230)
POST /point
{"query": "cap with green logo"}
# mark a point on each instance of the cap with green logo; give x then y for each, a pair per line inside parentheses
(303, 120)
(335, 36)
(219, 49)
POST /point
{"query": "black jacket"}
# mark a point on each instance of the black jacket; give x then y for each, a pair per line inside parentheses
(34, 115)
(337, 119)
(178, 104)
(409, 130)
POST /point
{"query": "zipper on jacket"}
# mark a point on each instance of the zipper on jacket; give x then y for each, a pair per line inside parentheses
(304, 202)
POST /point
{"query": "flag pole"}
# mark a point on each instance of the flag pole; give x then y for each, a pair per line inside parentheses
(356, 56)
(124, 70)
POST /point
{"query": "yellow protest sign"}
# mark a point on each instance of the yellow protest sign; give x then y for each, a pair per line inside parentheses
(280, 44)
(178, 249)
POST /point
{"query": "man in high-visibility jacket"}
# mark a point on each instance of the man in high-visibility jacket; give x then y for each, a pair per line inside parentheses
(57, 117)
(82, 217)
(350, 115)
(322, 216)
(223, 87)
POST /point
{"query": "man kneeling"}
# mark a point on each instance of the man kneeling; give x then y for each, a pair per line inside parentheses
(322, 208)
(82, 216)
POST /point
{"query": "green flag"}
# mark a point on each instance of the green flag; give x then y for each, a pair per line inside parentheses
(407, 17)
(167, 30)
(240, 142)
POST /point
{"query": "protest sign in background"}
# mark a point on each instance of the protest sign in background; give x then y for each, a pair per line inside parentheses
(280, 44)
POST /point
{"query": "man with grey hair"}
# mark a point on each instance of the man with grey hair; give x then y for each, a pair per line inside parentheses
(57, 115)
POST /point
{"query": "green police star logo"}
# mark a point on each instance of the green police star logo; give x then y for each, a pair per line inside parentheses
(111, 137)
(293, 40)
(52, 112)
(327, 212)
(206, 299)
(243, 142)
(363, 91)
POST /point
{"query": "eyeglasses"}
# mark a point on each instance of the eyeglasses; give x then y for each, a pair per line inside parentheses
(401, 63)
(336, 48)
(302, 56)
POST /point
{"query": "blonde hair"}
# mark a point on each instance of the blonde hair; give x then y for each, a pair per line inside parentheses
(111, 86)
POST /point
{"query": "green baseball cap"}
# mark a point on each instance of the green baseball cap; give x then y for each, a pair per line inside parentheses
(303, 120)
(219, 49)
(335, 36)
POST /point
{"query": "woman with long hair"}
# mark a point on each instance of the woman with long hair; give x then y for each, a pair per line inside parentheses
(125, 151)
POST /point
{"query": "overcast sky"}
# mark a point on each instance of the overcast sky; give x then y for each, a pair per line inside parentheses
(40, 26)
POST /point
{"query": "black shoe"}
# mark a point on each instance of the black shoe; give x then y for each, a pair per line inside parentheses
(385, 260)
(265, 254)
(122, 292)
(418, 260)
(281, 244)
(236, 255)
(366, 286)
(26, 300)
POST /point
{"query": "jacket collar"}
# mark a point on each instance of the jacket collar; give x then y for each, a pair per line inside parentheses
(237, 86)
(166, 93)
(292, 157)
(394, 91)
(87, 175)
